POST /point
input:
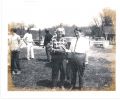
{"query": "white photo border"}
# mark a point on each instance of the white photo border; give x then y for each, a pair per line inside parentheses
(53, 94)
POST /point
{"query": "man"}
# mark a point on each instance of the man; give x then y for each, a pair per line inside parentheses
(61, 29)
(28, 39)
(58, 47)
(14, 44)
(47, 39)
(79, 59)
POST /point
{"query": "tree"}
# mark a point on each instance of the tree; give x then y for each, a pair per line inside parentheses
(100, 25)
(108, 17)
(95, 31)
(31, 26)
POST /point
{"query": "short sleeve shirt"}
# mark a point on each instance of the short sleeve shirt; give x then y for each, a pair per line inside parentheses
(14, 42)
(28, 37)
(57, 44)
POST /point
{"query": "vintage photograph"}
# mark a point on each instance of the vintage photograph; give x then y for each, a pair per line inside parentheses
(57, 47)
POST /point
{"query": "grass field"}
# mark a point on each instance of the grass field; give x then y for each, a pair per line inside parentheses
(36, 74)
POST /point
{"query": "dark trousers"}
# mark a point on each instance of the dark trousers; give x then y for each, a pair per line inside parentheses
(15, 61)
(77, 65)
(57, 67)
(48, 53)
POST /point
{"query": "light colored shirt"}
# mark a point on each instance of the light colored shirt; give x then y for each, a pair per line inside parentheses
(28, 38)
(14, 41)
(82, 45)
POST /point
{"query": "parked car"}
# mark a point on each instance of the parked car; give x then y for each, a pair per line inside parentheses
(98, 42)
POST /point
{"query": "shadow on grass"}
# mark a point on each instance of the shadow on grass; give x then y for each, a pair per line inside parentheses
(48, 83)
(49, 64)
(24, 58)
(42, 60)
(44, 83)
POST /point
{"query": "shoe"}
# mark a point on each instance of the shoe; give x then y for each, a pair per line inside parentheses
(54, 88)
(72, 88)
(13, 72)
(18, 72)
(63, 88)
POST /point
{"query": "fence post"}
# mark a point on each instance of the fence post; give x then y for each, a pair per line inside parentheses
(39, 36)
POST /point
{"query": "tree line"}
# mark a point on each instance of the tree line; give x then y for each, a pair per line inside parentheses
(103, 27)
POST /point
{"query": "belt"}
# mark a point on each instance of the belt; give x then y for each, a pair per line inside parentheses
(58, 53)
(29, 42)
(78, 53)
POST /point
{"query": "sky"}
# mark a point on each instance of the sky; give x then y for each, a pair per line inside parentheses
(48, 13)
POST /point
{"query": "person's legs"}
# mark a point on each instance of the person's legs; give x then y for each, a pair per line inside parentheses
(81, 68)
(12, 61)
(32, 52)
(55, 71)
(48, 54)
(18, 69)
(46, 51)
(80, 75)
(68, 71)
(62, 73)
(64, 66)
(28, 52)
(73, 74)
(15, 62)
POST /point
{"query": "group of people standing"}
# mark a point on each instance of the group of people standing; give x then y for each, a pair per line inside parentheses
(66, 61)
(15, 44)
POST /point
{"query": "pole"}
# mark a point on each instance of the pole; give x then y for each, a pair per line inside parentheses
(39, 36)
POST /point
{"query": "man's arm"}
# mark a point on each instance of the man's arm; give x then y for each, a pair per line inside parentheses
(24, 39)
(19, 41)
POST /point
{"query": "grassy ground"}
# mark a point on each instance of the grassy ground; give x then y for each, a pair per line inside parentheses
(36, 74)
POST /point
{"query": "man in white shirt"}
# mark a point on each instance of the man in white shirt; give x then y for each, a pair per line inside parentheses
(28, 39)
(14, 45)
(80, 44)
(78, 60)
